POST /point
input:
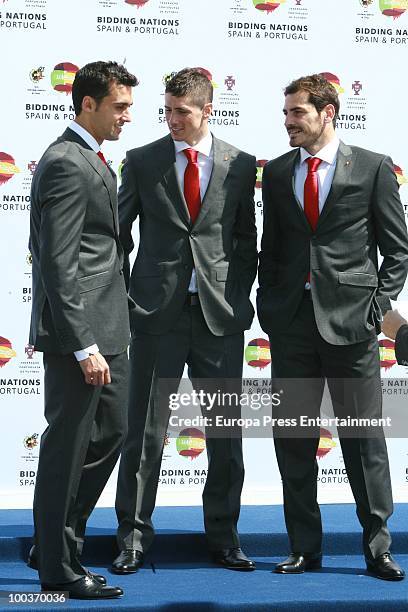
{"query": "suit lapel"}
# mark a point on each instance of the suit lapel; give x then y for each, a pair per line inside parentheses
(109, 179)
(221, 164)
(287, 176)
(166, 160)
(341, 177)
(107, 175)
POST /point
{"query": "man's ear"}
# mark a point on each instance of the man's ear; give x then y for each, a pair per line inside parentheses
(207, 110)
(329, 112)
(88, 104)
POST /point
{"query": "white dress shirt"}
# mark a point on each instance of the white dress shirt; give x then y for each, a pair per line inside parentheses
(205, 161)
(325, 171)
(85, 135)
(90, 140)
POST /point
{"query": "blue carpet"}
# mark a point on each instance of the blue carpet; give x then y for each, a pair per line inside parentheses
(178, 576)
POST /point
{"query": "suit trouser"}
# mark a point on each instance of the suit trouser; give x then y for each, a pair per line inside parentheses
(302, 361)
(152, 359)
(79, 449)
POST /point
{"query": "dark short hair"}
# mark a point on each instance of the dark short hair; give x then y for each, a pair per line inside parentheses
(321, 92)
(95, 79)
(192, 82)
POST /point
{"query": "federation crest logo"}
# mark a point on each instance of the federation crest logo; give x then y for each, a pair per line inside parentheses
(268, 5)
(387, 353)
(6, 351)
(229, 82)
(402, 180)
(137, 3)
(31, 442)
(366, 3)
(29, 259)
(260, 163)
(29, 351)
(334, 80)
(356, 87)
(190, 443)
(36, 74)
(31, 166)
(8, 168)
(258, 353)
(63, 76)
(326, 443)
(393, 8)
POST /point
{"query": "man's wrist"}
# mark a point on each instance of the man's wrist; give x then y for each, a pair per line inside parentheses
(84, 353)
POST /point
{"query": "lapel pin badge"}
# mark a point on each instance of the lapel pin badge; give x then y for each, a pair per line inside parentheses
(348, 163)
(226, 157)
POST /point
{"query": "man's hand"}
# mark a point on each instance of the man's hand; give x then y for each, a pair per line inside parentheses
(96, 370)
(392, 321)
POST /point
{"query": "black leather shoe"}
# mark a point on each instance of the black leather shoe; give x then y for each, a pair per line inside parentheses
(297, 563)
(32, 559)
(385, 567)
(233, 558)
(84, 588)
(98, 577)
(128, 562)
(32, 562)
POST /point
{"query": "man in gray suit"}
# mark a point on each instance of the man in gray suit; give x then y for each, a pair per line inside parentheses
(80, 322)
(191, 283)
(328, 207)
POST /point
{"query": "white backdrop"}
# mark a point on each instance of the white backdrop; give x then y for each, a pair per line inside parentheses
(251, 50)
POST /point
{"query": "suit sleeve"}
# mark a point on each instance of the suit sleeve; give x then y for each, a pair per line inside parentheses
(63, 193)
(401, 345)
(268, 255)
(246, 254)
(391, 234)
(129, 209)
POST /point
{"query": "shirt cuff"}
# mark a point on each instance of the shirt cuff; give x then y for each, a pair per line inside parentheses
(84, 353)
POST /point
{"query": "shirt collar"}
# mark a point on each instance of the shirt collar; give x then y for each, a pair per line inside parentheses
(203, 146)
(327, 154)
(85, 135)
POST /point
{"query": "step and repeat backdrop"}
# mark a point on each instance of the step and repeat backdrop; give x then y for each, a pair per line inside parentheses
(250, 50)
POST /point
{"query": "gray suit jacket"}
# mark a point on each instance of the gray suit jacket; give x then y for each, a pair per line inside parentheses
(79, 295)
(363, 212)
(221, 245)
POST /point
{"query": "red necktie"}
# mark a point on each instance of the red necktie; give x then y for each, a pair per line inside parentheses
(192, 184)
(311, 192)
(102, 157)
(311, 195)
